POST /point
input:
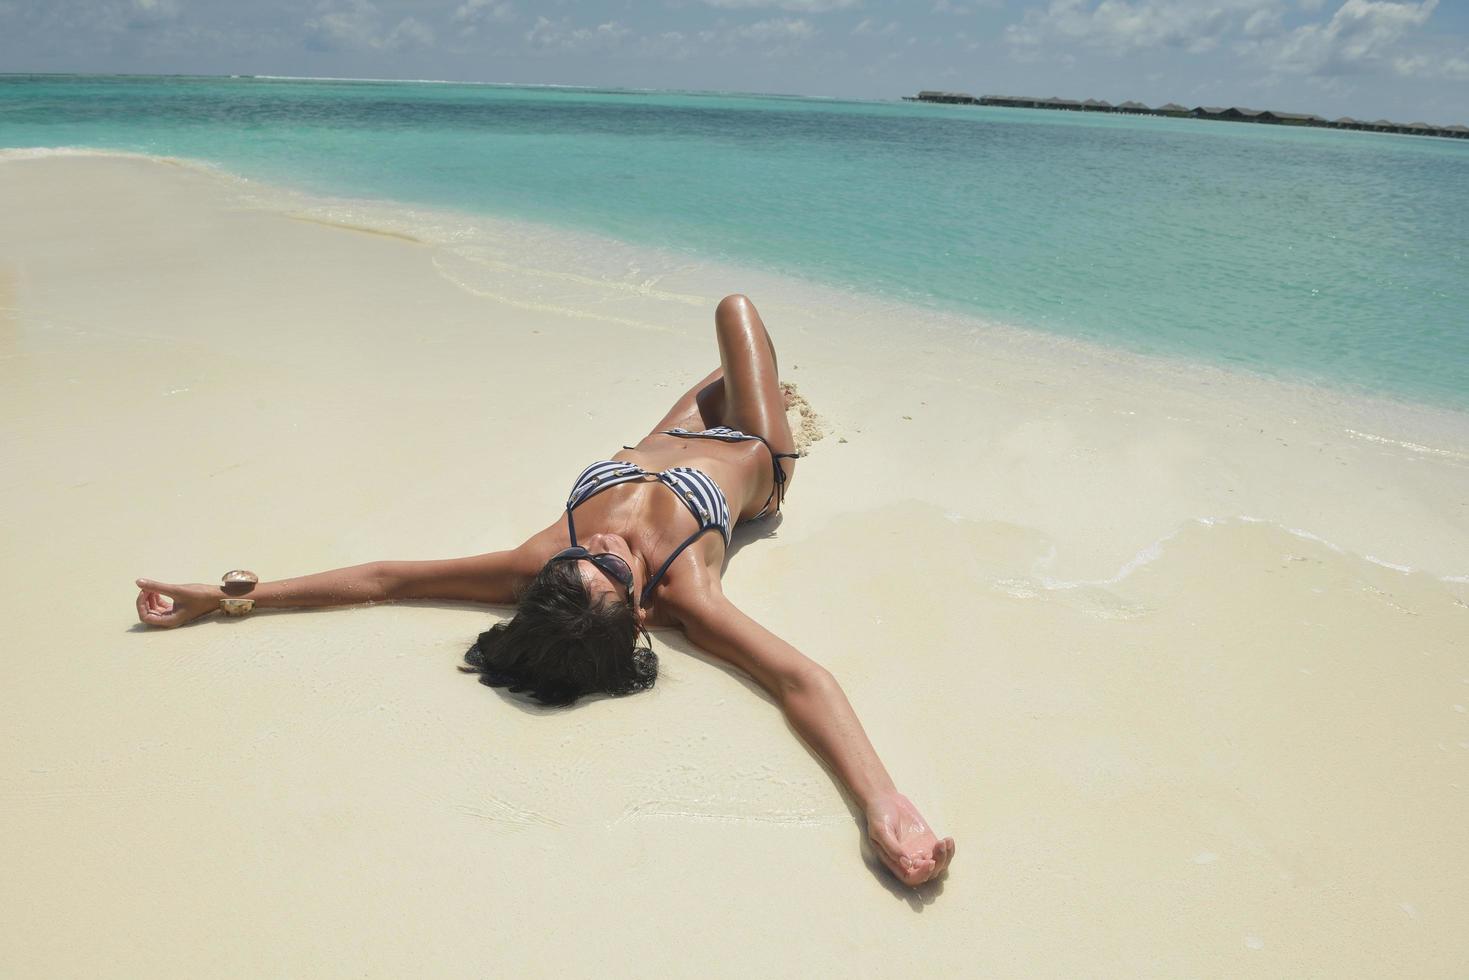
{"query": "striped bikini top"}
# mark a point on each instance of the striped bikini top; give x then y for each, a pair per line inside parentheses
(699, 493)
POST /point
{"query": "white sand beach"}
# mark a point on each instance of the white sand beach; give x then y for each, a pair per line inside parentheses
(1179, 657)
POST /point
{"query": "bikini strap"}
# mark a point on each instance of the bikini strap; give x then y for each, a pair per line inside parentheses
(657, 576)
(778, 485)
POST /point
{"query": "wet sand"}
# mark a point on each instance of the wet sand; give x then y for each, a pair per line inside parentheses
(1179, 657)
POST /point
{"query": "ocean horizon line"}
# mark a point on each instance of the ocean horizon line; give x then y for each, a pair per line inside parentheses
(561, 86)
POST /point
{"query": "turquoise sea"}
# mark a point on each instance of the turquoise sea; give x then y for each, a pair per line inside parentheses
(1335, 258)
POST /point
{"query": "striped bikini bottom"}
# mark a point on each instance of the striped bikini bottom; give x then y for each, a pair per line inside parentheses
(724, 433)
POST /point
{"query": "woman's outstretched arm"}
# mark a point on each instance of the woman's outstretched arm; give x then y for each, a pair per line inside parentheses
(488, 578)
(816, 707)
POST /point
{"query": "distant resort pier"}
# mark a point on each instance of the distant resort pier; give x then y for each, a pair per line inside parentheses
(1173, 109)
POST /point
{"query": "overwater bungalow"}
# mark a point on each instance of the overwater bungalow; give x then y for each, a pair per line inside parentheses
(1230, 113)
(1011, 101)
(1298, 118)
(953, 98)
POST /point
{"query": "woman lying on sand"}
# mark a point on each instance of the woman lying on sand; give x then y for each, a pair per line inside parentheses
(633, 550)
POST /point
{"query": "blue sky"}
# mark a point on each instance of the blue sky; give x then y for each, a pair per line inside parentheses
(1366, 58)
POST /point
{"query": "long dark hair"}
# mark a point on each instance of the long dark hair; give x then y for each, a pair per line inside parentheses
(561, 644)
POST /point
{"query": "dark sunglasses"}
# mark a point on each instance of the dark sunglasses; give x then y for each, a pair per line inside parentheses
(609, 564)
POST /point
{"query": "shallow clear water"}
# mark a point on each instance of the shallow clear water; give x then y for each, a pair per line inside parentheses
(1333, 257)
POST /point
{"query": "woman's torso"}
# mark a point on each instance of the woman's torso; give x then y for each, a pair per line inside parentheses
(655, 521)
(742, 470)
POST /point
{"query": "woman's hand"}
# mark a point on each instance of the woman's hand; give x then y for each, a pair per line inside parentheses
(904, 841)
(174, 605)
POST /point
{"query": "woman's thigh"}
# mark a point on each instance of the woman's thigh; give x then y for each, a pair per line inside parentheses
(744, 392)
(752, 399)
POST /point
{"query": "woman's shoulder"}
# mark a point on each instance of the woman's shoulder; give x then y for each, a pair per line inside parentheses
(690, 586)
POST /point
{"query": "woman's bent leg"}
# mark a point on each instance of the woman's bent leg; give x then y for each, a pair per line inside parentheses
(706, 404)
(744, 392)
(753, 399)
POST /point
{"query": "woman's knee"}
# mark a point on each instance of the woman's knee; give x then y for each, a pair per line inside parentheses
(738, 325)
(741, 332)
(734, 307)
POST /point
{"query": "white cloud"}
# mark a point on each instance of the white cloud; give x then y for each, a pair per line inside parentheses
(560, 35)
(871, 28)
(1123, 26)
(1455, 68)
(147, 13)
(1361, 35)
(471, 15)
(960, 9)
(1451, 67)
(1262, 23)
(408, 33)
(783, 35)
(772, 37)
(795, 6)
(669, 45)
(778, 29)
(969, 43)
(357, 24)
(113, 15)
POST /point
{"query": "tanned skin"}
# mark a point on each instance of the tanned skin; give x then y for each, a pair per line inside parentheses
(642, 523)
